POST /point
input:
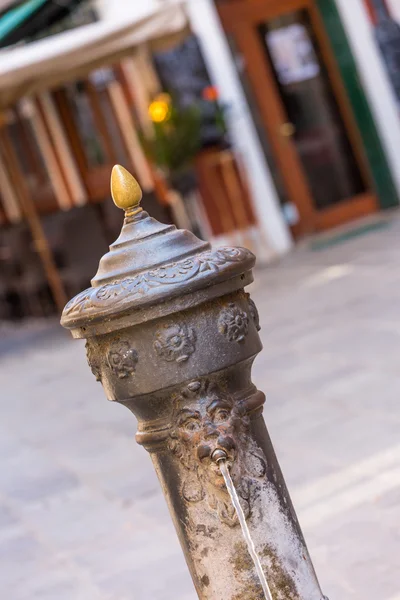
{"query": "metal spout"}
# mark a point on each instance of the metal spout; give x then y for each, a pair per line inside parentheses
(219, 455)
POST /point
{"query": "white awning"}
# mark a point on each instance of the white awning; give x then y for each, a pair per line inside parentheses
(49, 62)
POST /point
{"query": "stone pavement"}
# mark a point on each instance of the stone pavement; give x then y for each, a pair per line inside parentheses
(81, 514)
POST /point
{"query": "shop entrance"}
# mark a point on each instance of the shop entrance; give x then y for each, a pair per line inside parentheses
(301, 104)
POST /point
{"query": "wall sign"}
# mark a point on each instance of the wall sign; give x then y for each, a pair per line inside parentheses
(293, 54)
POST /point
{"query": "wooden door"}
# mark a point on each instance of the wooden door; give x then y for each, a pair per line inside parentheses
(303, 109)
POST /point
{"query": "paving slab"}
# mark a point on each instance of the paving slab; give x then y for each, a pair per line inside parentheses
(81, 512)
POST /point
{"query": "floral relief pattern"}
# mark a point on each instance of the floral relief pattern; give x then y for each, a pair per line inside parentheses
(122, 359)
(233, 322)
(176, 343)
(254, 313)
(92, 362)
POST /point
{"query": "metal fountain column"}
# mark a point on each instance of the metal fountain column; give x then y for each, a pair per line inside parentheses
(172, 335)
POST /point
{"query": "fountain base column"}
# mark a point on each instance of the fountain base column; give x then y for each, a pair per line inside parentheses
(216, 414)
(172, 335)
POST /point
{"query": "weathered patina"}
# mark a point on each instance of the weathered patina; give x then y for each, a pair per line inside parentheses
(172, 335)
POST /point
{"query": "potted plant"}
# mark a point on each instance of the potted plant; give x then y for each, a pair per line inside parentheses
(175, 141)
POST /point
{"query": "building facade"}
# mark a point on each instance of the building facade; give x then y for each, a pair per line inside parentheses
(311, 111)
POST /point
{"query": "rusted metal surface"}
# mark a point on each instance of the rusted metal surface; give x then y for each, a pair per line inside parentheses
(172, 335)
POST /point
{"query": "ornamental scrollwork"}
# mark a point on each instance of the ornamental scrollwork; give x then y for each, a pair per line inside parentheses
(176, 343)
(176, 274)
(233, 323)
(122, 359)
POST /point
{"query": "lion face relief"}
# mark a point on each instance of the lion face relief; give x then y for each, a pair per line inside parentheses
(205, 419)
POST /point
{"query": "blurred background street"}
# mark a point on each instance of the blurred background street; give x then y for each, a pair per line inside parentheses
(273, 125)
(82, 515)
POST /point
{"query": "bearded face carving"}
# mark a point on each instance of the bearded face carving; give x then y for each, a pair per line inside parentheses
(205, 419)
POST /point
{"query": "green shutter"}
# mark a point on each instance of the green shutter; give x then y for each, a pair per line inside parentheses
(379, 168)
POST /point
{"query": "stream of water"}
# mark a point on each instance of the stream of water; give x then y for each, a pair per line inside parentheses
(246, 533)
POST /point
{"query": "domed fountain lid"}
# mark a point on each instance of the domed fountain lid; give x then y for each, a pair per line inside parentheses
(149, 263)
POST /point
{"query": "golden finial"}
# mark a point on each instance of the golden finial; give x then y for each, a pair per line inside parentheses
(125, 191)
